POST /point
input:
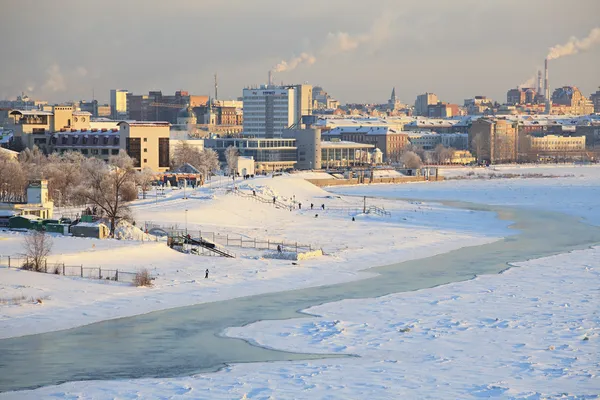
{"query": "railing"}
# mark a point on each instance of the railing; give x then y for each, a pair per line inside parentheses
(233, 239)
(260, 199)
(22, 262)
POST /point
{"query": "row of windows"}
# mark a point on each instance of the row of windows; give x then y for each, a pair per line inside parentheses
(93, 152)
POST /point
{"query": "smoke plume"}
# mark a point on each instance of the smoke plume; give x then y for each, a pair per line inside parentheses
(529, 83)
(55, 81)
(342, 42)
(303, 58)
(574, 45)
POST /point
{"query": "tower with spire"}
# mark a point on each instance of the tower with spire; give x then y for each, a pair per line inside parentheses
(393, 101)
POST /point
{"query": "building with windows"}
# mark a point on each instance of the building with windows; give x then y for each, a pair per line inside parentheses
(389, 141)
(493, 140)
(33, 127)
(557, 144)
(158, 107)
(570, 100)
(146, 142)
(38, 203)
(269, 154)
(595, 98)
(313, 153)
(118, 103)
(425, 140)
(336, 154)
(423, 102)
(268, 110)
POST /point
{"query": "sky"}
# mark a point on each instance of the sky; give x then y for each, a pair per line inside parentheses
(68, 50)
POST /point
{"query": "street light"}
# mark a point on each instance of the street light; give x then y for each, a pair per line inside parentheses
(186, 231)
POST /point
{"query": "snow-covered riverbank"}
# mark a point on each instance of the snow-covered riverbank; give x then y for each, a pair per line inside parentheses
(413, 231)
(530, 333)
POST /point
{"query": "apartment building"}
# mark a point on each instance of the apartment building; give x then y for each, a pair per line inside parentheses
(268, 110)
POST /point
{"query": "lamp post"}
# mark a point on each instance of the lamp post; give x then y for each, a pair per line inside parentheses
(186, 230)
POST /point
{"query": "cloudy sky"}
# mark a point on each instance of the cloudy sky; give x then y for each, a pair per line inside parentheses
(357, 50)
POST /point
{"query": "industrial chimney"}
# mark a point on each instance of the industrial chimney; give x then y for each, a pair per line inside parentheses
(539, 82)
(546, 87)
(270, 82)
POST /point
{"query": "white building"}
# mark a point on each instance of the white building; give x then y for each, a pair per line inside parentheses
(269, 110)
(118, 104)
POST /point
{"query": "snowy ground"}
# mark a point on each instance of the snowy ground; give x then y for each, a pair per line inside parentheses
(350, 246)
(518, 335)
(575, 192)
(529, 333)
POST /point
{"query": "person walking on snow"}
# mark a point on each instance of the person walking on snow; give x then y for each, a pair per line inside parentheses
(311, 206)
(273, 199)
(206, 274)
(323, 206)
(300, 206)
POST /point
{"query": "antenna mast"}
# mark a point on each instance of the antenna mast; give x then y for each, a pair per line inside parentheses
(216, 88)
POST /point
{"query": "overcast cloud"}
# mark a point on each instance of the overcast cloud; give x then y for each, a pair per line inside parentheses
(357, 50)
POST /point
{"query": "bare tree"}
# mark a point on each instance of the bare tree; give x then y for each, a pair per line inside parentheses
(410, 159)
(206, 161)
(211, 161)
(478, 144)
(13, 181)
(37, 247)
(106, 185)
(144, 180)
(64, 176)
(186, 154)
(33, 162)
(231, 156)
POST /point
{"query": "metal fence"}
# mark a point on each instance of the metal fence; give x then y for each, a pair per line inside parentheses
(21, 262)
(233, 239)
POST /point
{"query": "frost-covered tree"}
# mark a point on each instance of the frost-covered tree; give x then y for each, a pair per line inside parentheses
(144, 180)
(106, 186)
(64, 175)
(206, 161)
(410, 159)
(13, 180)
(231, 156)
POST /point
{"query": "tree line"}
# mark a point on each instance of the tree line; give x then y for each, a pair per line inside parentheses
(75, 180)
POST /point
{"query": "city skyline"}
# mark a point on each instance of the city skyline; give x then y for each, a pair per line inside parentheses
(357, 54)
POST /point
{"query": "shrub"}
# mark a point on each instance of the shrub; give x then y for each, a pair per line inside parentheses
(142, 278)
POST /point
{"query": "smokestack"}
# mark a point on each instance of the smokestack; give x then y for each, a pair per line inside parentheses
(539, 82)
(270, 83)
(546, 88)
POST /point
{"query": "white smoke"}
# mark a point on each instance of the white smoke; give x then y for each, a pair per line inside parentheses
(378, 34)
(574, 45)
(303, 58)
(342, 42)
(529, 83)
(55, 81)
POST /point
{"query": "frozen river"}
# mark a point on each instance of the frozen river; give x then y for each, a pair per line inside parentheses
(188, 340)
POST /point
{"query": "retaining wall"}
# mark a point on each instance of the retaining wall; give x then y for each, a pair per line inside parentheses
(355, 181)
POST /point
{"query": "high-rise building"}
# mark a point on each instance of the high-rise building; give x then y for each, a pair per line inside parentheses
(570, 100)
(269, 110)
(423, 102)
(118, 103)
(493, 140)
(595, 98)
(158, 107)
